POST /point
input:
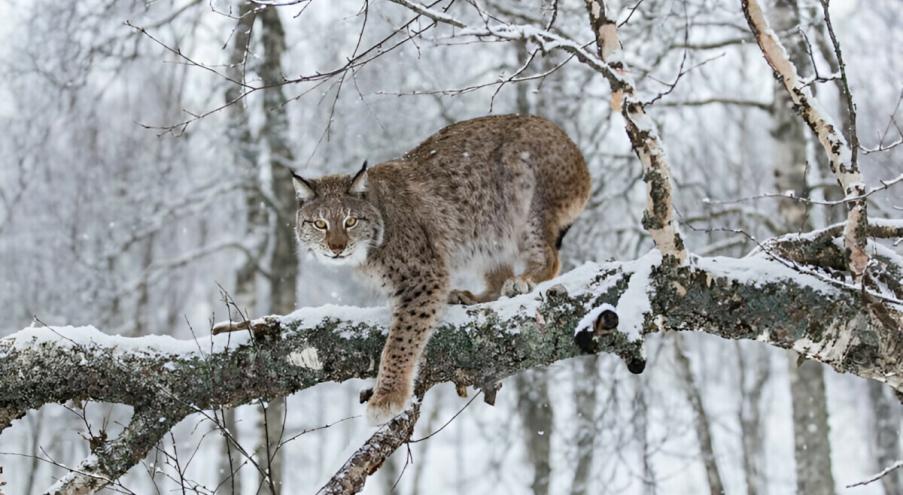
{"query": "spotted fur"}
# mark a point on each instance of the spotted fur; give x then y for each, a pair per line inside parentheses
(483, 195)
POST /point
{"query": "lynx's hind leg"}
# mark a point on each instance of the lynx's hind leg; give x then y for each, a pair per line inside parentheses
(495, 280)
(418, 299)
(540, 247)
(563, 186)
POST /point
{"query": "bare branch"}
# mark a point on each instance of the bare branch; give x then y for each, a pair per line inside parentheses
(885, 184)
(884, 472)
(760, 105)
(371, 456)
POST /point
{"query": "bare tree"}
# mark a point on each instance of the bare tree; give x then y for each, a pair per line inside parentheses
(701, 421)
(807, 386)
(887, 437)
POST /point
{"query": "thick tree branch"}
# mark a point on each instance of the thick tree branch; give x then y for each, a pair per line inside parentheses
(166, 379)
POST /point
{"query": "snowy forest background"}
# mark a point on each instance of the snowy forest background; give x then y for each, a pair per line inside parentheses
(127, 203)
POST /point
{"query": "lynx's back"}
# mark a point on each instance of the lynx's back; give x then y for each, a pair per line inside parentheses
(479, 186)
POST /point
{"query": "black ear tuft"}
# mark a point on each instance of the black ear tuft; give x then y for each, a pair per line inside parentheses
(359, 181)
(304, 189)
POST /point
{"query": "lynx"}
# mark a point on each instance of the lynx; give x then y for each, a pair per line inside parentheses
(483, 196)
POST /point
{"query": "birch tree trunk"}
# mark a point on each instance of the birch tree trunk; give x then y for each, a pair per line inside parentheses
(245, 155)
(788, 133)
(641, 422)
(537, 419)
(283, 262)
(701, 418)
(586, 373)
(886, 437)
(751, 414)
(812, 447)
(533, 405)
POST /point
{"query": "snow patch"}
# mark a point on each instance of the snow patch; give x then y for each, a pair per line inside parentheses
(308, 318)
(634, 304)
(70, 337)
(758, 270)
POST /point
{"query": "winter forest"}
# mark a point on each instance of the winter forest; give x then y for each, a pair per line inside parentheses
(728, 318)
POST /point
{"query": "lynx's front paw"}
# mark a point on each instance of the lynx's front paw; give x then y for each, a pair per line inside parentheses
(385, 405)
(462, 297)
(517, 286)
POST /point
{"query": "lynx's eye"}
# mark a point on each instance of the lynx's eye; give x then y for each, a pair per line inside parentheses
(350, 222)
(321, 224)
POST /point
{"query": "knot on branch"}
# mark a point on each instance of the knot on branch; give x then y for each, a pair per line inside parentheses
(490, 391)
(604, 334)
(605, 322)
(259, 327)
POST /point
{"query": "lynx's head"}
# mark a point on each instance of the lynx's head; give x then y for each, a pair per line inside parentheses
(334, 218)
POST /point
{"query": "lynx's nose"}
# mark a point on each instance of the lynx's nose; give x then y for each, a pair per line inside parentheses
(337, 247)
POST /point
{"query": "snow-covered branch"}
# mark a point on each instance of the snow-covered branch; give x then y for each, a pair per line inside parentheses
(166, 380)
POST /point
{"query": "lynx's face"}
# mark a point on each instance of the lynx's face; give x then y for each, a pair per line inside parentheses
(335, 221)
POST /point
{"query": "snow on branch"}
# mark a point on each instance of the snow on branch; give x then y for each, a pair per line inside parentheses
(840, 155)
(760, 297)
(490, 28)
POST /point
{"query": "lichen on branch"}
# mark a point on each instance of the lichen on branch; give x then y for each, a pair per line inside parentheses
(165, 380)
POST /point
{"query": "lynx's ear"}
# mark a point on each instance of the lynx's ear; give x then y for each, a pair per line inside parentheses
(359, 181)
(304, 190)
